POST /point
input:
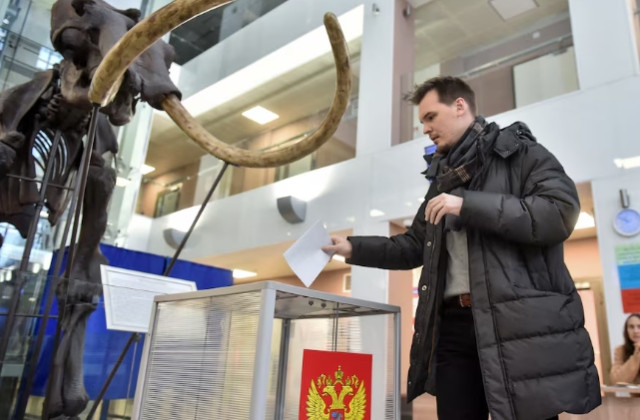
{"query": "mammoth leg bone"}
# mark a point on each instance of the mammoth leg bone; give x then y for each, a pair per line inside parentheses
(74, 396)
(87, 260)
(82, 290)
(68, 396)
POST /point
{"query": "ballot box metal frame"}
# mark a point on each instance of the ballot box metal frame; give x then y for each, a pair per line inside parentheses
(286, 303)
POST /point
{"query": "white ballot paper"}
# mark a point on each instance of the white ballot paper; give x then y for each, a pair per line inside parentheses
(128, 296)
(306, 257)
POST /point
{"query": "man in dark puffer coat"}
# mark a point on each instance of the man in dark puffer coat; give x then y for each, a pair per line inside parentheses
(499, 326)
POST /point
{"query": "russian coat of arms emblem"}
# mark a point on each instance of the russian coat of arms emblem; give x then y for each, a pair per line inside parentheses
(336, 398)
(341, 395)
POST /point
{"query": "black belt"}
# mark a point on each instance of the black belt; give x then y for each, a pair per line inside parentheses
(458, 301)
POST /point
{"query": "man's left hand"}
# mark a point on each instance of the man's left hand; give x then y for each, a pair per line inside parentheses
(443, 204)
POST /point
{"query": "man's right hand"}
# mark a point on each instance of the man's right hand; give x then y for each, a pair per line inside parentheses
(341, 246)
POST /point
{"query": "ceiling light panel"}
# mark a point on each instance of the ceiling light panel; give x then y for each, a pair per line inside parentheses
(627, 163)
(508, 9)
(146, 169)
(260, 115)
(243, 274)
(585, 221)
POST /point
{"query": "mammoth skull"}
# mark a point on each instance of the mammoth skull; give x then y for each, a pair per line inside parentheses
(83, 31)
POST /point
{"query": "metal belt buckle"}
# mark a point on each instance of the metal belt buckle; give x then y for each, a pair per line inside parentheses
(464, 300)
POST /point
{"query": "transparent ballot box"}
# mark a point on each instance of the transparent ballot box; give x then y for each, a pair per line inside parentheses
(237, 353)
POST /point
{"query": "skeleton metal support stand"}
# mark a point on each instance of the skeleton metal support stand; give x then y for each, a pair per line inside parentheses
(73, 206)
(15, 298)
(31, 366)
(75, 209)
(136, 336)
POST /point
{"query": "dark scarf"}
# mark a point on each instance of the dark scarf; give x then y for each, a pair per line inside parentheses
(465, 160)
(464, 164)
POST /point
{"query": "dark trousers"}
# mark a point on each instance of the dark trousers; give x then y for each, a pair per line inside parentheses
(458, 375)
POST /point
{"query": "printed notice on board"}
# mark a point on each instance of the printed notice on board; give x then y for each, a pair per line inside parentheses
(129, 294)
(628, 262)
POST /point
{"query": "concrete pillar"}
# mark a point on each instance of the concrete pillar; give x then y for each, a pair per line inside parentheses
(133, 141)
(386, 56)
(386, 69)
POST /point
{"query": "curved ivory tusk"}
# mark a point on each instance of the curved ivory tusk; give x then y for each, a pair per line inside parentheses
(285, 154)
(108, 76)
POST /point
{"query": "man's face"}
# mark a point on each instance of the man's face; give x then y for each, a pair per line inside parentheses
(633, 329)
(444, 124)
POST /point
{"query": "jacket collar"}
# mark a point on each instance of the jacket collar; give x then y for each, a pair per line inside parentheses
(507, 143)
(510, 139)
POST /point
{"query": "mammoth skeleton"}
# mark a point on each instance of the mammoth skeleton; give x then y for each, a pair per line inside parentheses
(111, 60)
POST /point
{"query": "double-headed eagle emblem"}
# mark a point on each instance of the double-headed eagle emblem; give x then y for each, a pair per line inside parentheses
(336, 398)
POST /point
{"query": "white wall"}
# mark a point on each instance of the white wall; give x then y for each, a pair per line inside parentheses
(138, 233)
(341, 195)
(586, 129)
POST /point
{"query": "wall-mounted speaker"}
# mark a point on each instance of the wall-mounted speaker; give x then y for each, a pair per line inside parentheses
(292, 209)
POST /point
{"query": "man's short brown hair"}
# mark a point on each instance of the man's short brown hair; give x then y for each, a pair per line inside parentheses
(449, 89)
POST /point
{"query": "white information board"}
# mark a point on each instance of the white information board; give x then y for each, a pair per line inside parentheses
(128, 296)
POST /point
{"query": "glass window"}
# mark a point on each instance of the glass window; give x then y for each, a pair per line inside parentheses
(204, 31)
(47, 58)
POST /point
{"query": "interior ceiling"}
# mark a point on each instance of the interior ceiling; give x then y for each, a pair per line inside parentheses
(446, 29)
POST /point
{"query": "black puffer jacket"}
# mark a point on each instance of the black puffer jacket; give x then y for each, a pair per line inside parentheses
(536, 357)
